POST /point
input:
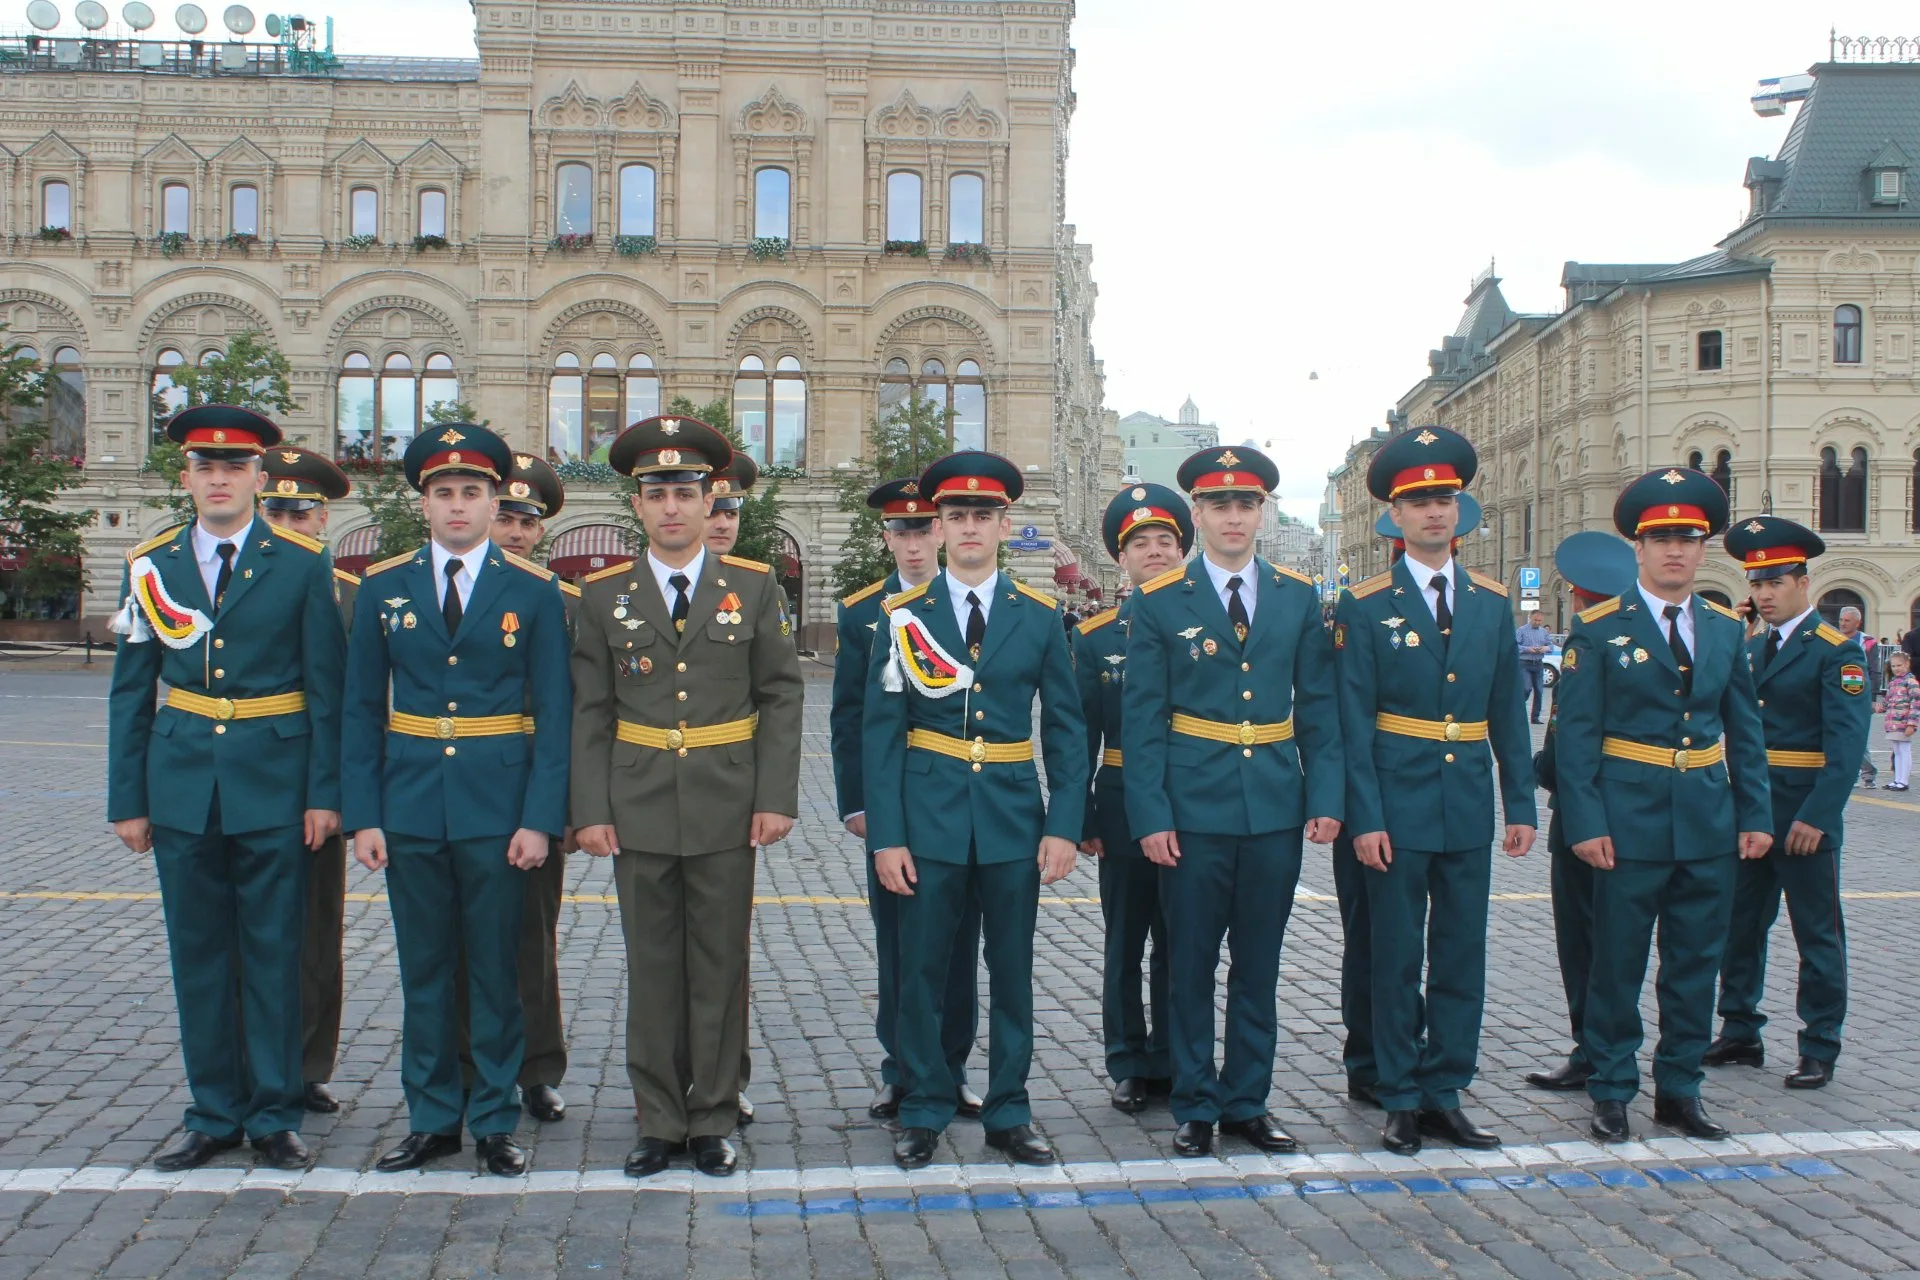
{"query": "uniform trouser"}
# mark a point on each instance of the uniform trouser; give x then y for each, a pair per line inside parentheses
(960, 1003)
(451, 896)
(233, 904)
(1812, 885)
(686, 920)
(544, 1060)
(1007, 896)
(322, 982)
(1691, 904)
(1130, 905)
(1439, 899)
(1240, 888)
(1571, 883)
(1356, 962)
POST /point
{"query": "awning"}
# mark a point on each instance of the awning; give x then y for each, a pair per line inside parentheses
(354, 552)
(590, 548)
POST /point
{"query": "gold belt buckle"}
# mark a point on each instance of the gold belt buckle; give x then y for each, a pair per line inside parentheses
(1246, 733)
(1452, 731)
(443, 728)
(223, 709)
(978, 751)
(675, 739)
(1680, 761)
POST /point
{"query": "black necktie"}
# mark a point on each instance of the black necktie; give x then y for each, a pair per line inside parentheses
(976, 626)
(1679, 647)
(450, 605)
(1772, 650)
(1237, 610)
(1441, 614)
(225, 551)
(679, 583)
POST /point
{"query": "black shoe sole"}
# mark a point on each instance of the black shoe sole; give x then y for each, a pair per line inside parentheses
(1132, 1108)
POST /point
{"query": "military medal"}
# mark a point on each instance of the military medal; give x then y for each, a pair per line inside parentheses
(1395, 637)
(1193, 651)
(1209, 646)
(620, 612)
(645, 665)
(509, 623)
(729, 610)
(408, 621)
(1639, 655)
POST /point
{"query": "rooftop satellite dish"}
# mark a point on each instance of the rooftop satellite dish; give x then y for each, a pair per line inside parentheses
(273, 25)
(239, 19)
(190, 18)
(44, 14)
(90, 14)
(137, 15)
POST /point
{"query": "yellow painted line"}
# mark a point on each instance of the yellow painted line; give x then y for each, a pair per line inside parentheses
(1886, 804)
(23, 742)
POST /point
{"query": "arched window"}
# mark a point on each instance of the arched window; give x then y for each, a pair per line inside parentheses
(636, 200)
(933, 386)
(165, 398)
(1913, 615)
(399, 404)
(56, 205)
(355, 413)
(377, 411)
(363, 212)
(433, 213)
(789, 414)
(963, 391)
(1829, 489)
(590, 404)
(903, 206)
(896, 388)
(573, 200)
(1846, 334)
(64, 409)
(176, 209)
(244, 211)
(438, 385)
(1840, 598)
(969, 407)
(771, 205)
(603, 405)
(966, 209)
(770, 413)
(643, 390)
(1853, 494)
(566, 392)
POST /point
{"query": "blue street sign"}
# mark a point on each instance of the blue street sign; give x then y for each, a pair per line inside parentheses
(1029, 544)
(1529, 580)
(1029, 532)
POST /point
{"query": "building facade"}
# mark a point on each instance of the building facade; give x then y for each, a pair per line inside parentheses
(804, 212)
(1154, 448)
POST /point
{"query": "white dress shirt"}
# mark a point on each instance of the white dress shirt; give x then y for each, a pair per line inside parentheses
(1424, 576)
(1249, 585)
(1684, 621)
(1792, 629)
(661, 572)
(470, 564)
(957, 593)
(209, 559)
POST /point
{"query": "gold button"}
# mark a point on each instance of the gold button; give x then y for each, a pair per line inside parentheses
(219, 673)
(450, 750)
(979, 715)
(976, 688)
(1451, 677)
(1246, 695)
(1448, 719)
(1686, 742)
(729, 639)
(1246, 666)
(629, 644)
(681, 752)
(218, 643)
(1247, 752)
(1688, 715)
(976, 768)
(1449, 757)
(633, 586)
(219, 728)
(680, 667)
(682, 695)
(453, 660)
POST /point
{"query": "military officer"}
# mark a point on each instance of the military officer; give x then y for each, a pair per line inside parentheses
(1350, 889)
(1650, 682)
(955, 814)
(1229, 682)
(233, 779)
(687, 757)
(1148, 530)
(1595, 566)
(447, 790)
(906, 527)
(1814, 710)
(300, 484)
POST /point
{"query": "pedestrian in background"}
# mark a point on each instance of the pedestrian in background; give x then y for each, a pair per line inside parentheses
(1903, 717)
(1534, 641)
(1850, 627)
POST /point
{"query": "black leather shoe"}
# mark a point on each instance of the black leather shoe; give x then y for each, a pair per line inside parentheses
(745, 1105)
(1452, 1124)
(1687, 1115)
(543, 1102)
(191, 1150)
(969, 1104)
(282, 1150)
(913, 1149)
(713, 1155)
(1810, 1073)
(1130, 1095)
(1734, 1053)
(1263, 1132)
(650, 1157)
(1194, 1138)
(416, 1150)
(1564, 1078)
(1023, 1144)
(1402, 1133)
(1159, 1087)
(1362, 1092)
(886, 1102)
(1609, 1123)
(501, 1155)
(317, 1098)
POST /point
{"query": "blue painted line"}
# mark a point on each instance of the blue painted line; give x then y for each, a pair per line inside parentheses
(1614, 1178)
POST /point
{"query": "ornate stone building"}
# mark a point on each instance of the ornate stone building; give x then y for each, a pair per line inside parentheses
(1784, 363)
(807, 211)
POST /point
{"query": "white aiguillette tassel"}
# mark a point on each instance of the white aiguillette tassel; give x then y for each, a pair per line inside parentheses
(126, 621)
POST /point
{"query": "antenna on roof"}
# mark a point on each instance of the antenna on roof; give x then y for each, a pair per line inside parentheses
(239, 19)
(44, 14)
(190, 18)
(137, 15)
(90, 14)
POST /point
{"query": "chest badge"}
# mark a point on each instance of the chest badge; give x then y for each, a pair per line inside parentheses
(634, 624)
(1413, 639)
(1116, 658)
(729, 610)
(1639, 655)
(619, 612)
(408, 621)
(509, 624)
(1209, 646)
(1190, 633)
(1395, 623)
(397, 602)
(1620, 641)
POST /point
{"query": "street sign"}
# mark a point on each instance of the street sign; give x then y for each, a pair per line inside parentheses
(1529, 580)
(1029, 544)
(1028, 532)
(1528, 605)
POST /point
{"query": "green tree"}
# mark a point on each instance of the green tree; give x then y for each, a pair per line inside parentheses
(48, 541)
(252, 374)
(912, 435)
(760, 533)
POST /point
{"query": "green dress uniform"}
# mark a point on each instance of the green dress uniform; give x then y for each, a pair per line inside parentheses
(949, 774)
(1814, 709)
(1640, 760)
(436, 755)
(1425, 691)
(680, 736)
(246, 740)
(1232, 743)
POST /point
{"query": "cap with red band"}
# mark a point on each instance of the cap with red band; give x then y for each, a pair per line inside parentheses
(973, 478)
(1429, 460)
(222, 429)
(900, 500)
(1768, 546)
(1239, 468)
(1671, 502)
(458, 447)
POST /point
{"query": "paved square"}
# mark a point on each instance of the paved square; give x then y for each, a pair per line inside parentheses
(1822, 1184)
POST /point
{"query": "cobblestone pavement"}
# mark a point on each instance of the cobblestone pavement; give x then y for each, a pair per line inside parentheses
(1824, 1184)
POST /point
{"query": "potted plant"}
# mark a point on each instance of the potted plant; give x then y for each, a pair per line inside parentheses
(765, 247)
(171, 243)
(241, 240)
(423, 243)
(906, 248)
(361, 243)
(571, 242)
(635, 246)
(54, 234)
(968, 252)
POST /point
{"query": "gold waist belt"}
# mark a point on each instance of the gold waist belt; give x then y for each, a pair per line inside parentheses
(1244, 734)
(1432, 730)
(1796, 759)
(448, 727)
(280, 704)
(1665, 757)
(684, 739)
(1110, 758)
(977, 750)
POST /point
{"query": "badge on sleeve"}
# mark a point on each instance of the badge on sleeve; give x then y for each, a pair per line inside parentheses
(1568, 660)
(1340, 635)
(1853, 679)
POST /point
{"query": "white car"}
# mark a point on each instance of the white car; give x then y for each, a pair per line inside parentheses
(1550, 661)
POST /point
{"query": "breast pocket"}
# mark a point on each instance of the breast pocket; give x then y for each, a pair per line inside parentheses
(730, 633)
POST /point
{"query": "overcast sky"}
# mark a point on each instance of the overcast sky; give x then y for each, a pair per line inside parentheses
(1277, 190)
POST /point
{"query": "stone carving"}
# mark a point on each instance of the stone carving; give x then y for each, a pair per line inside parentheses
(772, 113)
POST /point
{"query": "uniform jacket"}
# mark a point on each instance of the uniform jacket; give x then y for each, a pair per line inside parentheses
(467, 788)
(1182, 656)
(1391, 659)
(279, 632)
(937, 806)
(856, 630)
(635, 667)
(1620, 680)
(1100, 666)
(346, 589)
(1805, 705)
(1545, 777)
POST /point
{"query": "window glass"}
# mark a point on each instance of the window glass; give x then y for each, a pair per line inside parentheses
(365, 212)
(56, 205)
(1710, 350)
(176, 208)
(750, 407)
(246, 212)
(573, 200)
(398, 410)
(354, 417)
(966, 209)
(433, 213)
(643, 390)
(970, 416)
(1846, 335)
(636, 200)
(439, 385)
(770, 201)
(903, 206)
(353, 361)
(565, 392)
(398, 361)
(789, 421)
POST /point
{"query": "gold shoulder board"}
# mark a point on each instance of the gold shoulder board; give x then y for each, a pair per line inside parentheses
(1831, 634)
(1295, 574)
(611, 571)
(1371, 585)
(863, 593)
(739, 562)
(298, 539)
(906, 597)
(567, 588)
(1031, 594)
(521, 562)
(157, 540)
(1098, 621)
(1717, 607)
(1490, 584)
(1166, 579)
(389, 564)
(1599, 611)
(342, 575)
